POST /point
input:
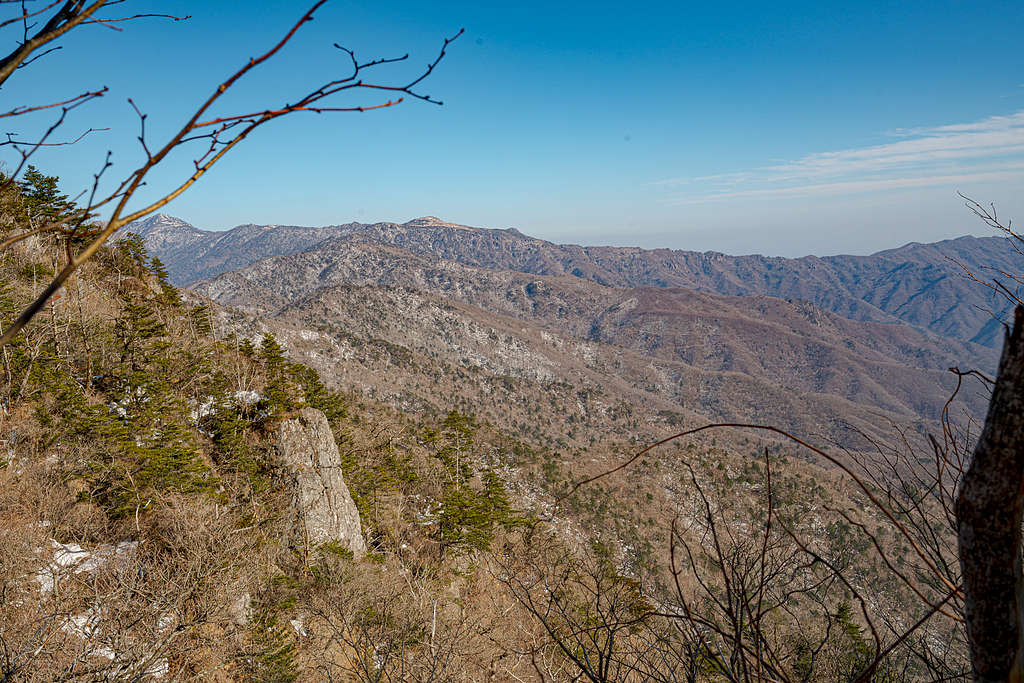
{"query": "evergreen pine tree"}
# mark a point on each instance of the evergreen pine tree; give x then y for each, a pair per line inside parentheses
(43, 197)
(169, 292)
(279, 391)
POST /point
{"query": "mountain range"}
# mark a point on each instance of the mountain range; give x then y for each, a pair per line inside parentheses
(920, 284)
(496, 321)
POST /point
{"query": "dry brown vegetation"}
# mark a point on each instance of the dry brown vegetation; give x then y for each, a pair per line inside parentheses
(144, 515)
(474, 572)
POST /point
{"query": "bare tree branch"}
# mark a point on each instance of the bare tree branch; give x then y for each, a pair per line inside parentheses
(227, 132)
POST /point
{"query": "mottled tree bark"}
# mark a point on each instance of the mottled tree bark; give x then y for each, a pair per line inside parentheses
(989, 510)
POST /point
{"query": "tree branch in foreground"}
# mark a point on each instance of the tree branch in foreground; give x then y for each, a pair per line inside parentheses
(223, 134)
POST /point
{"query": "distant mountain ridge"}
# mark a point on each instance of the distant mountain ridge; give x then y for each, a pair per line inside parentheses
(916, 283)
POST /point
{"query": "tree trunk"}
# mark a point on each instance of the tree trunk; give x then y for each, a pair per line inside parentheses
(988, 510)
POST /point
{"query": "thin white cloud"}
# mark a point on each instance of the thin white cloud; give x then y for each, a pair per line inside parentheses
(992, 148)
(846, 187)
(991, 123)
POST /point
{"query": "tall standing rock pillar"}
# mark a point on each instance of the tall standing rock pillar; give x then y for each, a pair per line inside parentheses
(323, 508)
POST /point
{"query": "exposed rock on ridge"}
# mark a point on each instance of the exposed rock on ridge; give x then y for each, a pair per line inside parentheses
(324, 509)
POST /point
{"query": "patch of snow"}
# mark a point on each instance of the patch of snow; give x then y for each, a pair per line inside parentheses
(210, 405)
(86, 625)
(158, 669)
(248, 398)
(71, 558)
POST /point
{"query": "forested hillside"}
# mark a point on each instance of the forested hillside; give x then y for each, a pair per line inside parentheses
(157, 526)
(665, 349)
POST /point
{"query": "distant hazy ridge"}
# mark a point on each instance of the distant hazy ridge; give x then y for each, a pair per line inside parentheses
(916, 284)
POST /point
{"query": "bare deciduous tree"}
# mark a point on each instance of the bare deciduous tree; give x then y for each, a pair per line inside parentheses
(384, 628)
(214, 133)
(598, 624)
(957, 514)
(1003, 284)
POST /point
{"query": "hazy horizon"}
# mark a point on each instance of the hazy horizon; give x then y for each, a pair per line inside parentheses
(786, 129)
(592, 243)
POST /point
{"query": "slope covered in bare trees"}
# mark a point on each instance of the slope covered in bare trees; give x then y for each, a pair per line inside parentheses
(735, 358)
(147, 509)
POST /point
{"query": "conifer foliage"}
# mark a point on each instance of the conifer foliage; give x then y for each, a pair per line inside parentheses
(43, 198)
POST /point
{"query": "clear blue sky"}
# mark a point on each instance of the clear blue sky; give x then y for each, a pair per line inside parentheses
(774, 127)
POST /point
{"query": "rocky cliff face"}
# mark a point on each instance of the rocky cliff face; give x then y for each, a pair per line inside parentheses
(324, 510)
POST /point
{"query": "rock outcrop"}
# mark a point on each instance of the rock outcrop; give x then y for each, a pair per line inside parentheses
(323, 508)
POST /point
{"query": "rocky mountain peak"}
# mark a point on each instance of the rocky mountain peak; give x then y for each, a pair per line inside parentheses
(162, 232)
(433, 222)
(161, 222)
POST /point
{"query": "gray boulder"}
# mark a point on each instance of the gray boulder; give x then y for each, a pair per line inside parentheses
(324, 510)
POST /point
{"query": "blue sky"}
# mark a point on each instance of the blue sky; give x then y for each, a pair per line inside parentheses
(782, 128)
